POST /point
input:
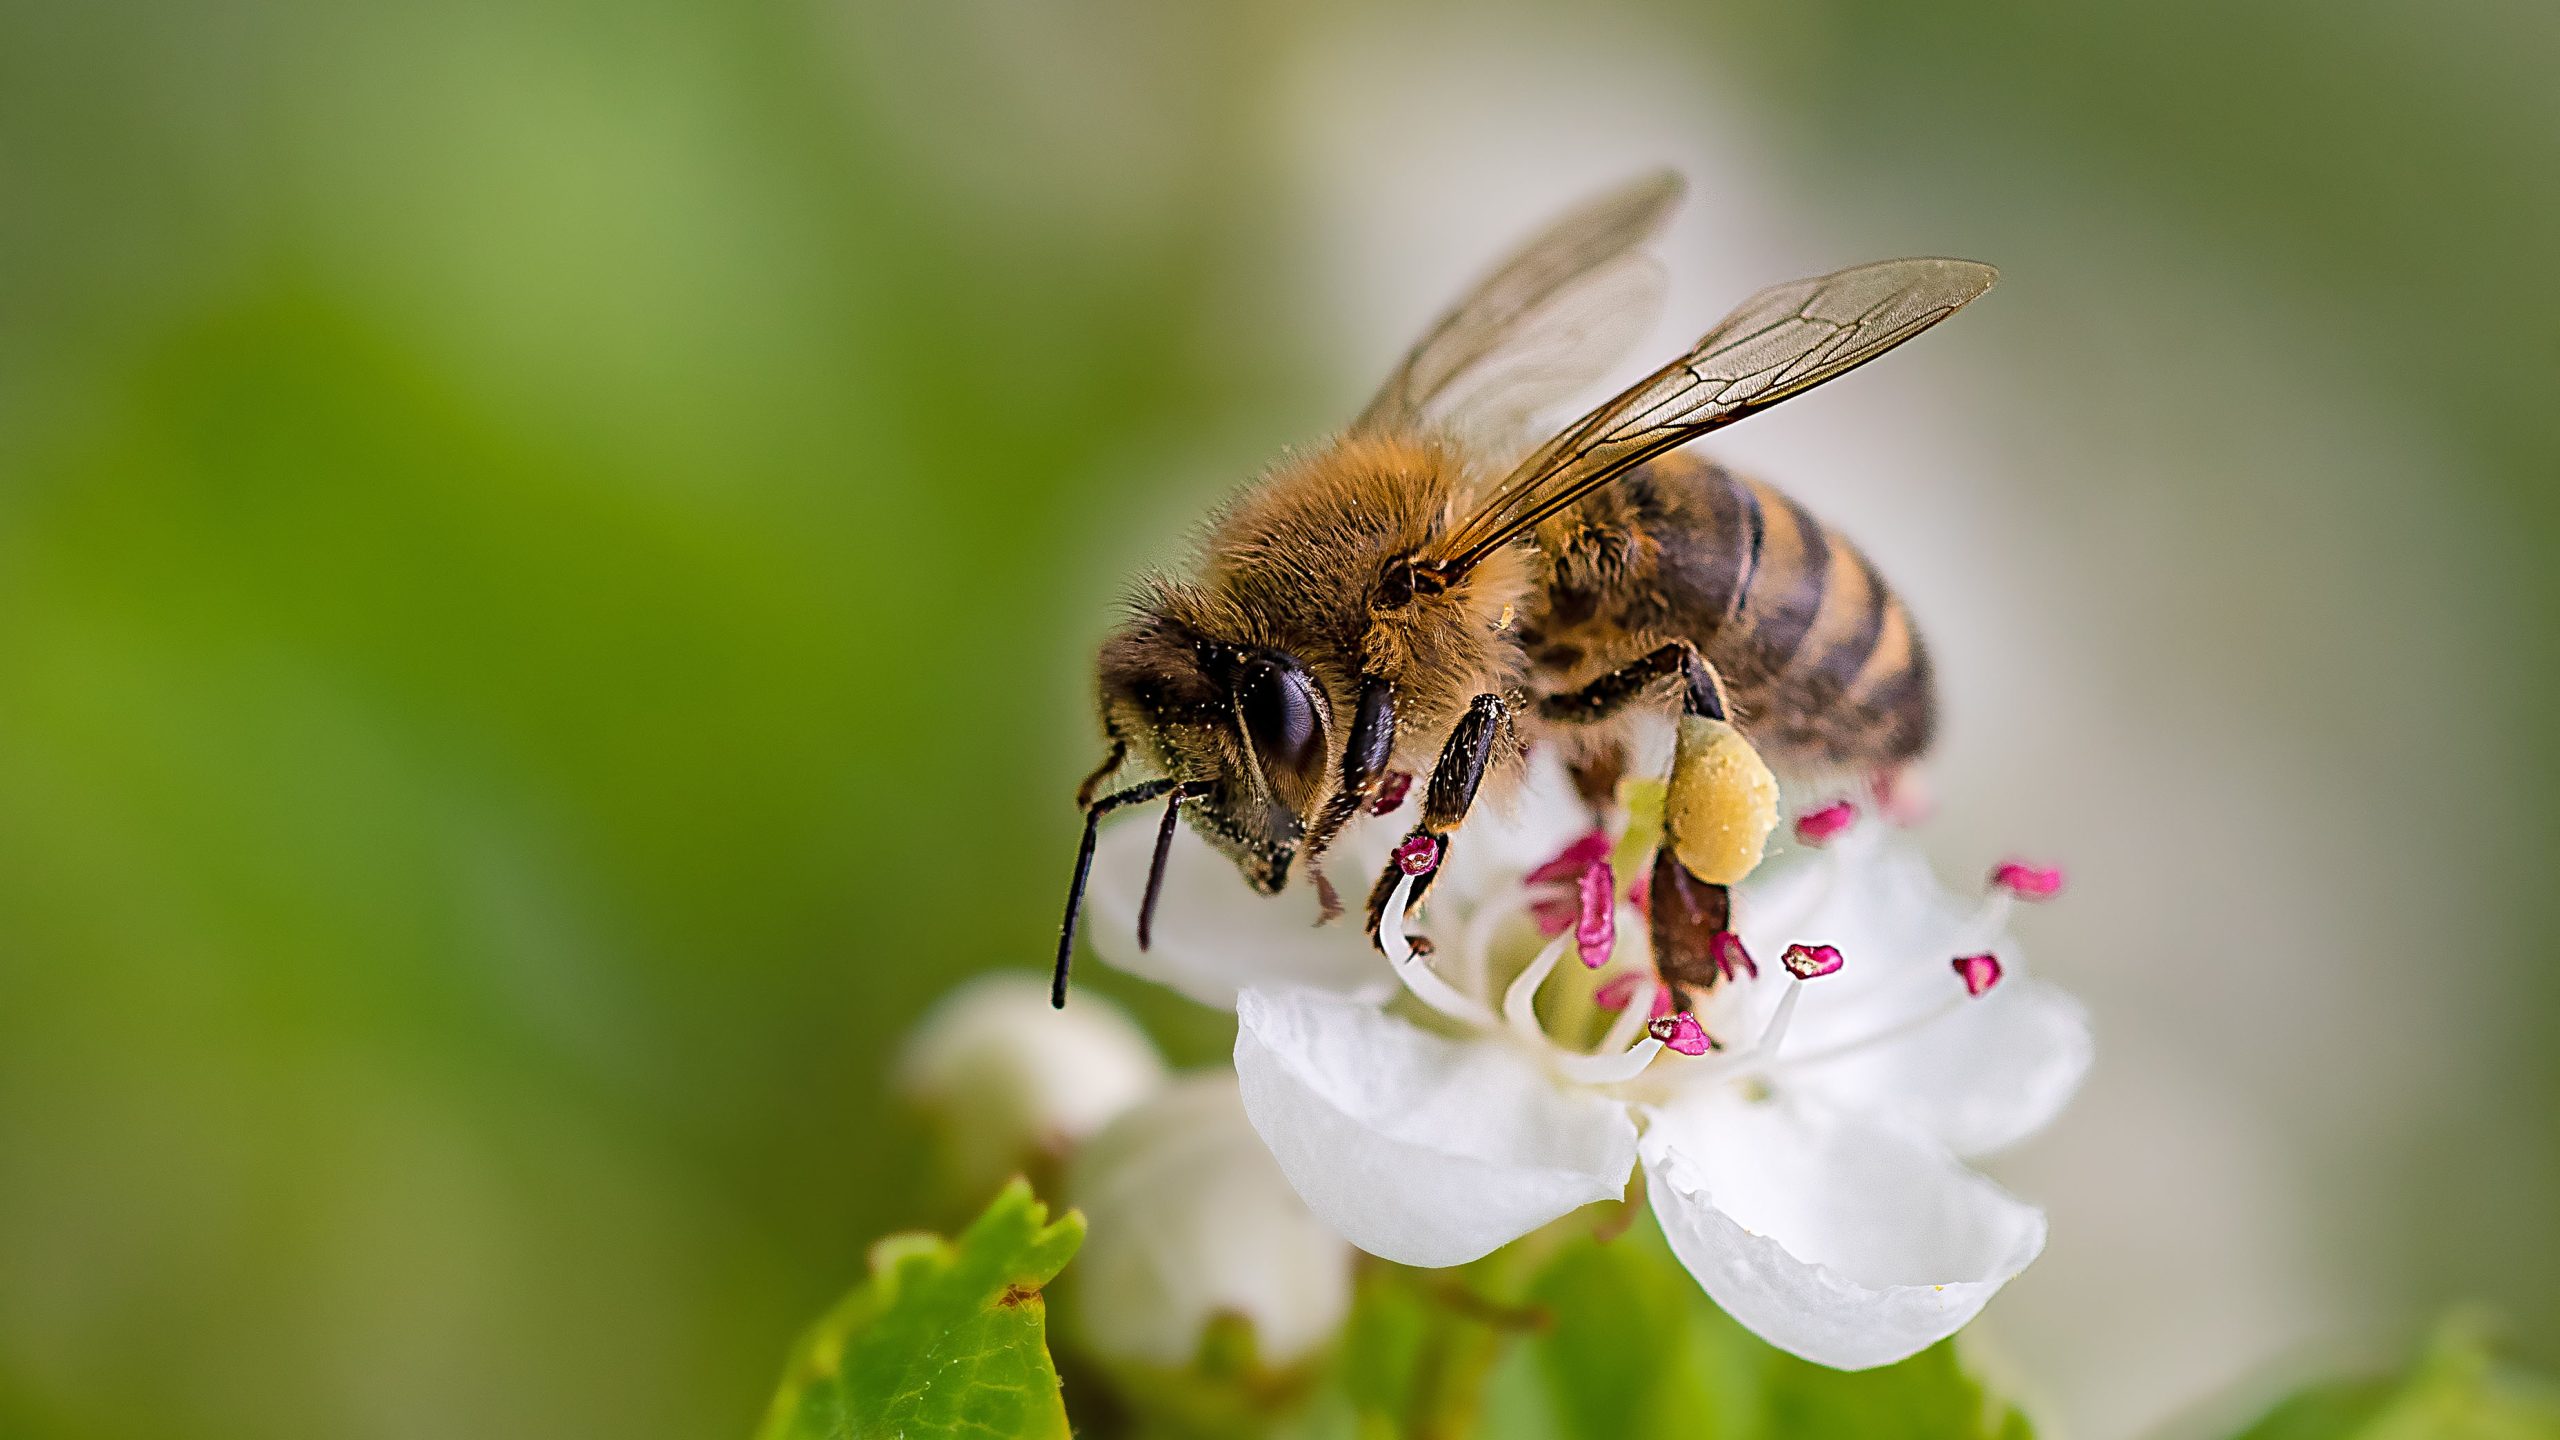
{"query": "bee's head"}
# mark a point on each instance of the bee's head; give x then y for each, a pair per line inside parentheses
(1246, 726)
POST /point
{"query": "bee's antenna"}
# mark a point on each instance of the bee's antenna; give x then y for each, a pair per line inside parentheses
(1155, 871)
(1135, 795)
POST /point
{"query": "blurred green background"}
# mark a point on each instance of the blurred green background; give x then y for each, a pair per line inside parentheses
(549, 553)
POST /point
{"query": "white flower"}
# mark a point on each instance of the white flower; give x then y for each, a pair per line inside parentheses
(1010, 1082)
(1188, 1216)
(1190, 1220)
(1807, 1172)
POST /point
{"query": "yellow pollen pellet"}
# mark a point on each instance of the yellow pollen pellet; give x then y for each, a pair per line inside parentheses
(1722, 803)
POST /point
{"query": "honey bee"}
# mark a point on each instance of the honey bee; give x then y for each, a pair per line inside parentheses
(1407, 601)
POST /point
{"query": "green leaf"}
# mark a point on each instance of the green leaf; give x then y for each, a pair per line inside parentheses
(2456, 1391)
(1566, 1337)
(1927, 1396)
(946, 1339)
(1636, 1351)
(1383, 1344)
(1616, 1356)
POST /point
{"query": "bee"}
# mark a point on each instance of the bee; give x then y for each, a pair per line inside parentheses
(1409, 601)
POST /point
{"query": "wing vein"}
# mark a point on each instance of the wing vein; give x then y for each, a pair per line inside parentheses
(1776, 345)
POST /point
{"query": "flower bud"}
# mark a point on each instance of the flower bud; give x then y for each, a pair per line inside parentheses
(1189, 1221)
(1012, 1084)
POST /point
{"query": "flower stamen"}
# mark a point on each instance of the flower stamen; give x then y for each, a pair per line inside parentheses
(1732, 958)
(1881, 1035)
(1477, 940)
(1682, 1034)
(2011, 881)
(1595, 930)
(1520, 1001)
(1586, 851)
(1419, 978)
(1811, 962)
(1391, 792)
(1610, 1065)
(1821, 827)
(1419, 854)
(1617, 992)
(1774, 1034)
(1554, 914)
(2026, 881)
(1635, 1015)
(1979, 972)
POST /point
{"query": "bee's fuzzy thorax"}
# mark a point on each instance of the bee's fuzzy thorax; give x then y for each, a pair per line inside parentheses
(1293, 562)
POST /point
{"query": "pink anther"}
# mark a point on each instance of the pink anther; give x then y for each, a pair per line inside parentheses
(1821, 827)
(1732, 959)
(1808, 962)
(1391, 792)
(2028, 882)
(1595, 930)
(1682, 1033)
(1569, 863)
(1980, 973)
(1418, 855)
(1618, 991)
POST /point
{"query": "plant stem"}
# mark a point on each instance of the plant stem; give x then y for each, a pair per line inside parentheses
(1480, 1310)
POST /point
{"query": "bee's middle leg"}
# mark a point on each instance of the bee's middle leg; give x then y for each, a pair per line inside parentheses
(1445, 802)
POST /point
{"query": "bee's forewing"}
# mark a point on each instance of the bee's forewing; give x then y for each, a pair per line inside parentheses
(1776, 345)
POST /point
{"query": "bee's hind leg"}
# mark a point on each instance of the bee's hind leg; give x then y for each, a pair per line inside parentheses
(1701, 692)
(1445, 802)
(1718, 808)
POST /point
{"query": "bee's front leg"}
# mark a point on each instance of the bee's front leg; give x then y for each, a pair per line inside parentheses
(1366, 753)
(1102, 773)
(1445, 803)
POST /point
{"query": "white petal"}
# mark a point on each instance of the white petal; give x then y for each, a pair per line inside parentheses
(1977, 1073)
(1188, 1219)
(1850, 1243)
(1986, 1075)
(1415, 1147)
(1213, 935)
(1872, 896)
(1896, 928)
(1880, 905)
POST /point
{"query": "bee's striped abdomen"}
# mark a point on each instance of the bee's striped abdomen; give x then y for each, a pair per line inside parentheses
(1822, 661)
(1826, 664)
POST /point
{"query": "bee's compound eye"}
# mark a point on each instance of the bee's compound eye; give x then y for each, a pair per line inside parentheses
(1278, 704)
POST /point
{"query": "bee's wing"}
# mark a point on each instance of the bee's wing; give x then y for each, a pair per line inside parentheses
(1780, 343)
(1550, 319)
(1557, 354)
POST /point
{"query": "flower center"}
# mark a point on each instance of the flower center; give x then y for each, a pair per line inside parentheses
(1572, 901)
